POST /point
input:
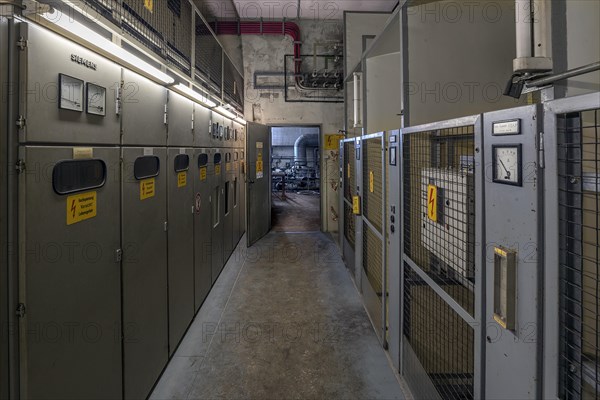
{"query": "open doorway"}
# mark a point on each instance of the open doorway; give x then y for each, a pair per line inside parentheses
(296, 178)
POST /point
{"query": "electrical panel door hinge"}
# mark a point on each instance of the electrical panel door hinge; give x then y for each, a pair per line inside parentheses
(166, 120)
(21, 122)
(118, 255)
(20, 166)
(22, 43)
(542, 151)
(166, 227)
(119, 101)
(20, 310)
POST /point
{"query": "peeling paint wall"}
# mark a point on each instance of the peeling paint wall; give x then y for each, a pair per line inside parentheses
(268, 106)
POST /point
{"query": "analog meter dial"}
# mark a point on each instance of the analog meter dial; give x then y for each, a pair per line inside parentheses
(70, 93)
(508, 167)
(96, 100)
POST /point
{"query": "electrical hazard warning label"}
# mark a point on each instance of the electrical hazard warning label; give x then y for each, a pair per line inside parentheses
(203, 173)
(147, 188)
(432, 203)
(81, 207)
(182, 179)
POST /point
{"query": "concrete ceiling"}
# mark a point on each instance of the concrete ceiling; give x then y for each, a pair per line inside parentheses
(291, 9)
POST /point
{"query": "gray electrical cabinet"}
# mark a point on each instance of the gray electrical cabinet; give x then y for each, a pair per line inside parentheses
(144, 110)
(202, 126)
(217, 212)
(242, 193)
(203, 190)
(512, 224)
(69, 273)
(235, 198)
(228, 209)
(54, 99)
(180, 114)
(144, 238)
(180, 172)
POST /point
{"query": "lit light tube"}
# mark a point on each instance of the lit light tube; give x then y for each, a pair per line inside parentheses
(241, 120)
(94, 39)
(225, 112)
(195, 95)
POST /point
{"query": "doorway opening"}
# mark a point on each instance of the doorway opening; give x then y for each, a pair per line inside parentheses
(296, 178)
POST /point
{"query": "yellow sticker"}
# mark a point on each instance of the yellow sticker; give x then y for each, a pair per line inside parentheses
(227, 167)
(432, 202)
(371, 182)
(147, 188)
(348, 170)
(218, 169)
(203, 173)
(356, 205)
(259, 166)
(149, 4)
(332, 142)
(80, 207)
(182, 179)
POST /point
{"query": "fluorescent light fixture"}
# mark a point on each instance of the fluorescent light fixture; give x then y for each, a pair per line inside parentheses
(67, 23)
(241, 120)
(225, 112)
(203, 99)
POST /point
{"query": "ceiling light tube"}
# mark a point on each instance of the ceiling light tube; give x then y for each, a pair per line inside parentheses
(241, 120)
(225, 112)
(202, 99)
(66, 23)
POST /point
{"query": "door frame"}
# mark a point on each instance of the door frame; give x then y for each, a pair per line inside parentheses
(321, 163)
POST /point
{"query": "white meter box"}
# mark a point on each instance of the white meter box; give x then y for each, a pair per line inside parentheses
(448, 213)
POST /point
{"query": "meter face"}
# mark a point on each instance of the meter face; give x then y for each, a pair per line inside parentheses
(96, 100)
(507, 164)
(71, 93)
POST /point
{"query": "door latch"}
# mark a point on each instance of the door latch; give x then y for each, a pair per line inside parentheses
(118, 255)
(21, 310)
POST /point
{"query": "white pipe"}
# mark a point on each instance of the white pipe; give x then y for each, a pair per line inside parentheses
(542, 11)
(523, 26)
(358, 100)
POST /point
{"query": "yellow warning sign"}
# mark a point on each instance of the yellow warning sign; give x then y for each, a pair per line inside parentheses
(81, 207)
(356, 205)
(332, 142)
(182, 179)
(203, 173)
(149, 4)
(227, 167)
(432, 202)
(371, 182)
(348, 170)
(218, 169)
(147, 188)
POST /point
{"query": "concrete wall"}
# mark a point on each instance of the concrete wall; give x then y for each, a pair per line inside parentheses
(460, 58)
(266, 53)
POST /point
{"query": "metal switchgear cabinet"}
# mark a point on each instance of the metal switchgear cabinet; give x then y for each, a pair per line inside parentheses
(144, 237)
(70, 281)
(228, 211)
(180, 113)
(180, 242)
(203, 190)
(218, 212)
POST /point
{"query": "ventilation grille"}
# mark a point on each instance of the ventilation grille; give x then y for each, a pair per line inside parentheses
(373, 182)
(579, 235)
(372, 258)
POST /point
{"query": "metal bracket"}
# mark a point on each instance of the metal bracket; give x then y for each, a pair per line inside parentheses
(20, 166)
(21, 310)
(542, 151)
(166, 114)
(21, 121)
(22, 44)
(166, 226)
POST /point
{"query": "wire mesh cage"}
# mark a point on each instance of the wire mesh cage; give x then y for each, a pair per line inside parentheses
(578, 136)
(442, 341)
(349, 178)
(209, 54)
(372, 259)
(233, 84)
(439, 208)
(373, 182)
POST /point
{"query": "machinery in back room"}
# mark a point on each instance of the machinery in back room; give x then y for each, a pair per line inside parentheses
(295, 167)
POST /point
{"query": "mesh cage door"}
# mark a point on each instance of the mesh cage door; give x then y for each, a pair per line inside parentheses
(578, 141)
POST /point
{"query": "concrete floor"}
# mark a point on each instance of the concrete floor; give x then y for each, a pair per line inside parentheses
(283, 321)
(297, 213)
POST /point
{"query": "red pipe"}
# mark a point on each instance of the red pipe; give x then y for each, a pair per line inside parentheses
(262, 28)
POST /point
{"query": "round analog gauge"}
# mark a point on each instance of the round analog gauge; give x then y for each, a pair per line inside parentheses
(507, 164)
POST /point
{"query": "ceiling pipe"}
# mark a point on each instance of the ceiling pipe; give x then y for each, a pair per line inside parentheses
(303, 141)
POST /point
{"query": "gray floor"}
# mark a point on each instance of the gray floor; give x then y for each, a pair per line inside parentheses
(283, 321)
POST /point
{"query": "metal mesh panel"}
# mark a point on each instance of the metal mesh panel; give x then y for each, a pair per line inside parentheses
(439, 207)
(373, 182)
(372, 261)
(349, 171)
(349, 225)
(179, 34)
(231, 83)
(208, 53)
(440, 338)
(146, 24)
(579, 232)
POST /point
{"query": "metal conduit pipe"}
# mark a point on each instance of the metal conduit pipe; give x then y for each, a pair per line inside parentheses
(533, 44)
(303, 141)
